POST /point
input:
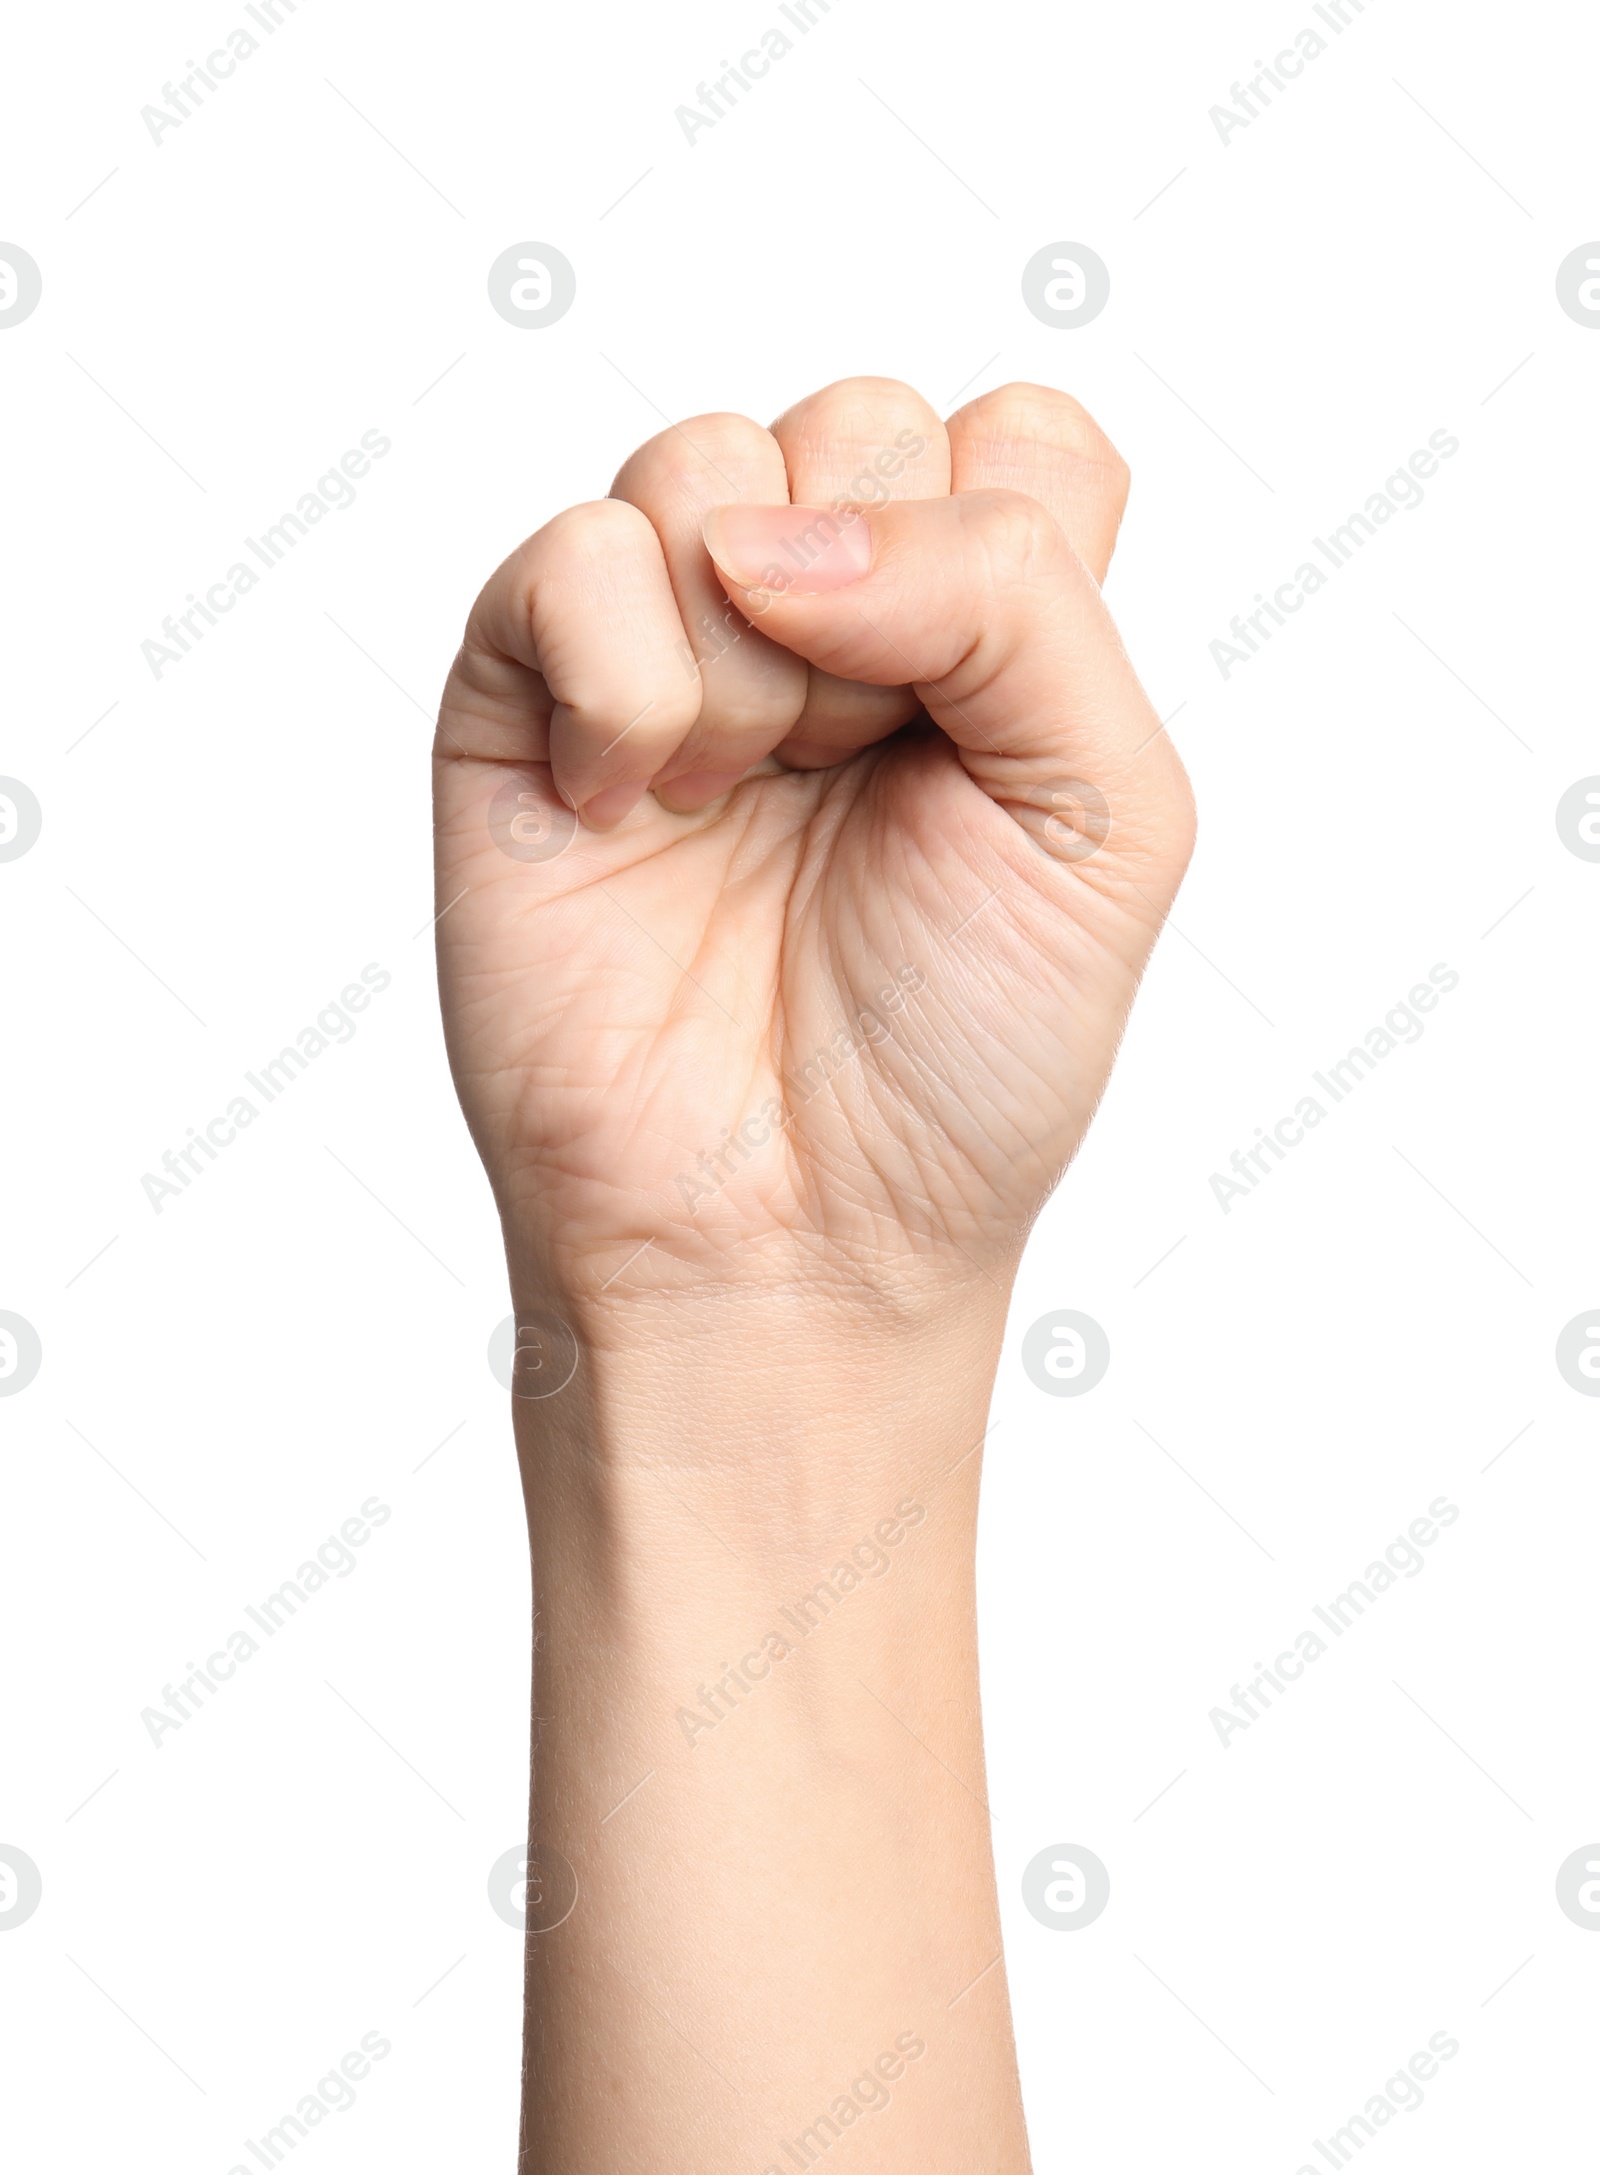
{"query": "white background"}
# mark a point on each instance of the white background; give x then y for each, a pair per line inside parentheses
(224, 848)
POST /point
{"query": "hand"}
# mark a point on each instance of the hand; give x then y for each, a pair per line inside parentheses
(876, 830)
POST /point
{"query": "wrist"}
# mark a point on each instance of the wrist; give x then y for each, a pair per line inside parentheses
(741, 1542)
(781, 1398)
(662, 1287)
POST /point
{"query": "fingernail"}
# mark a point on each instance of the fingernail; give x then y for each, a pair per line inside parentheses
(607, 809)
(695, 789)
(789, 551)
(812, 754)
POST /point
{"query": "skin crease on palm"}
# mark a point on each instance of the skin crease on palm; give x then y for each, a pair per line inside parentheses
(884, 769)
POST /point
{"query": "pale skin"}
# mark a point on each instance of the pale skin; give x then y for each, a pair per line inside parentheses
(772, 1065)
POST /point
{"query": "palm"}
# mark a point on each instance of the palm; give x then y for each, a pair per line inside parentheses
(811, 1018)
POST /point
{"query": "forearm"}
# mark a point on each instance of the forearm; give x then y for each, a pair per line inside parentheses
(757, 1743)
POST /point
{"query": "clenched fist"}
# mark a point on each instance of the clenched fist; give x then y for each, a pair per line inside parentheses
(803, 830)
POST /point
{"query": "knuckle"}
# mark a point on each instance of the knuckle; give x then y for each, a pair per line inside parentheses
(586, 534)
(1018, 535)
(1174, 846)
(746, 718)
(677, 697)
(692, 452)
(859, 410)
(724, 431)
(638, 718)
(862, 390)
(1020, 413)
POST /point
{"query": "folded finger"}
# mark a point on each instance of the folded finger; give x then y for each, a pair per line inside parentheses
(1034, 439)
(862, 441)
(751, 689)
(581, 625)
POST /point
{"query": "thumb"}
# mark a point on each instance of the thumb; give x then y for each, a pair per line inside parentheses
(981, 604)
